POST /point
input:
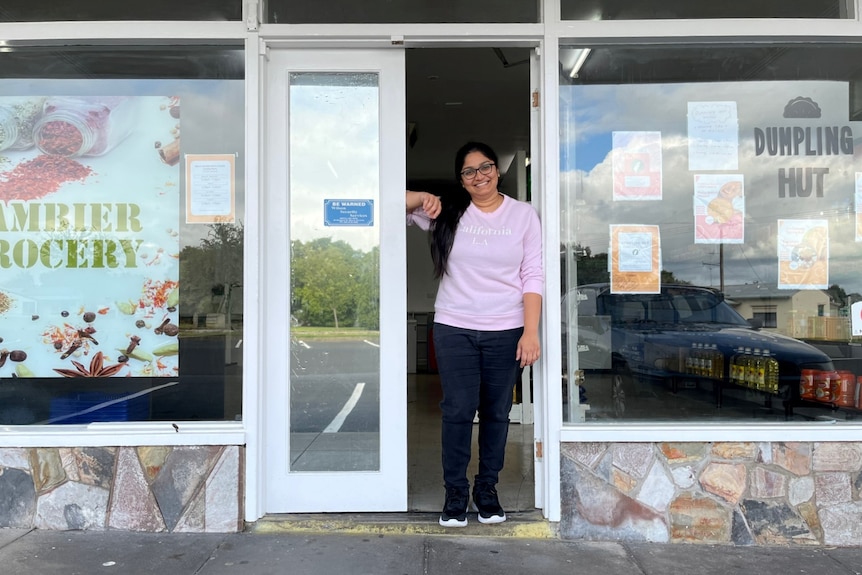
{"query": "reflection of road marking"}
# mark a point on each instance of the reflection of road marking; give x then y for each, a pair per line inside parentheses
(239, 343)
(371, 343)
(303, 344)
(336, 423)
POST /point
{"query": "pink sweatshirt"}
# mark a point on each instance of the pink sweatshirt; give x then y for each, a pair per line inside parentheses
(495, 260)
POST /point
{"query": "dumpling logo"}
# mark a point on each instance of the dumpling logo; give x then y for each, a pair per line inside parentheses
(802, 107)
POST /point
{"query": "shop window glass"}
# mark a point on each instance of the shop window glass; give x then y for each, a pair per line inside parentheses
(400, 11)
(334, 124)
(684, 9)
(121, 234)
(101, 10)
(712, 233)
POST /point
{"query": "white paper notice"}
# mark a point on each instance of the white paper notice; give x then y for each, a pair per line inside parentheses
(637, 166)
(210, 190)
(803, 254)
(856, 318)
(713, 136)
(858, 202)
(635, 250)
(719, 208)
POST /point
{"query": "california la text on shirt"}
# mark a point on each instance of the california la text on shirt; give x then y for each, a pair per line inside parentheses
(484, 231)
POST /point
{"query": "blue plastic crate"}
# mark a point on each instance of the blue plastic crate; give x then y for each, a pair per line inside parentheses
(68, 408)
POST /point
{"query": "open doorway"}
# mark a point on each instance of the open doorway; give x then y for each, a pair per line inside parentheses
(455, 95)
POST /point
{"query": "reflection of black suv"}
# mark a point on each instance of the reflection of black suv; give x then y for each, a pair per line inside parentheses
(660, 336)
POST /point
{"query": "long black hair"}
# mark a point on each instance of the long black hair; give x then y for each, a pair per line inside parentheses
(454, 206)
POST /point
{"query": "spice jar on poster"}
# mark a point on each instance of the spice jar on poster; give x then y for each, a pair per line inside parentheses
(85, 126)
(18, 115)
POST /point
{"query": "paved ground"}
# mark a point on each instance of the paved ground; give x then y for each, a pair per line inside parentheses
(119, 552)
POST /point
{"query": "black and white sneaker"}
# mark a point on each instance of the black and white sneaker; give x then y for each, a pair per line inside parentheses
(455, 509)
(487, 504)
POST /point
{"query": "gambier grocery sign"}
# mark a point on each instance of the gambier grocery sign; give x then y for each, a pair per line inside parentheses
(89, 242)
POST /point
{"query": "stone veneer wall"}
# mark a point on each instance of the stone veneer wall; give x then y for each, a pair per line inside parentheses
(176, 489)
(739, 493)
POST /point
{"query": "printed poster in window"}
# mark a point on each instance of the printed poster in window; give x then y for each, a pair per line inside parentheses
(635, 259)
(210, 193)
(803, 254)
(719, 209)
(713, 136)
(858, 197)
(637, 166)
(89, 240)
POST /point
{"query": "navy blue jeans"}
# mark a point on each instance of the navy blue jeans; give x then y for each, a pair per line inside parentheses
(478, 372)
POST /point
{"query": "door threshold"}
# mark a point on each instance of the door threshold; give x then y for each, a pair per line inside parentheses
(522, 524)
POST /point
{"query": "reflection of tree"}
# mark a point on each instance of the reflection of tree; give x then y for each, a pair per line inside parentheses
(842, 299)
(837, 295)
(209, 271)
(368, 294)
(333, 284)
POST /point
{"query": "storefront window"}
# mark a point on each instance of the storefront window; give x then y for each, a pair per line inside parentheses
(399, 11)
(121, 235)
(98, 10)
(712, 233)
(685, 9)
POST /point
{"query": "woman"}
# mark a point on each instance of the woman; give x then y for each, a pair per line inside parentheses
(487, 253)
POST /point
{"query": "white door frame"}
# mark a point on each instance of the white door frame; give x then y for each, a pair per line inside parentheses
(319, 491)
(546, 452)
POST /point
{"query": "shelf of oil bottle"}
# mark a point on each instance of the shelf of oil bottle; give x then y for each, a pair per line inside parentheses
(748, 368)
(758, 370)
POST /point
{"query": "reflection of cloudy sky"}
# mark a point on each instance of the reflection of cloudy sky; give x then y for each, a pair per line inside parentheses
(334, 154)
(590, 114)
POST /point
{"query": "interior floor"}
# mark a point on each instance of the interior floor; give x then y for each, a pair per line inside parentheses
(424, 475)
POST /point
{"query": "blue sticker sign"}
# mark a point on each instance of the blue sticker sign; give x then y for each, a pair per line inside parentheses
(348, 213)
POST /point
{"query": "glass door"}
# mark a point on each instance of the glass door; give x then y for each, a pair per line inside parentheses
(335, 281)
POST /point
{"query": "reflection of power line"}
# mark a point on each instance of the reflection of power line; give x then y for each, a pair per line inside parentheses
(711, 265)
(742, 251)
(719, 265)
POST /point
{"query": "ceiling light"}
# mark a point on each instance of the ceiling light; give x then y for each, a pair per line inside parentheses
(579, 62)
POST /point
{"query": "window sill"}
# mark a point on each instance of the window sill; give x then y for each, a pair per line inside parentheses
(124, 434)
(745, 432)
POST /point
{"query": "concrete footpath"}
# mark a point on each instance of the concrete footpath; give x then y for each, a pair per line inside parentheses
(452, 553)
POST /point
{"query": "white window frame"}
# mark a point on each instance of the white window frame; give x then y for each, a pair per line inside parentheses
(156, 432)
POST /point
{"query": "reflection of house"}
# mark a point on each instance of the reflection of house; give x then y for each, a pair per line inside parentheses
(797, 313)
(17, 304)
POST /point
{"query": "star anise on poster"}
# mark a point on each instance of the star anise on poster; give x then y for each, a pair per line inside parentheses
(97, 369)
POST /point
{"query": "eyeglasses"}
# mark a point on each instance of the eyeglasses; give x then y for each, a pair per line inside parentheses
(484, 169)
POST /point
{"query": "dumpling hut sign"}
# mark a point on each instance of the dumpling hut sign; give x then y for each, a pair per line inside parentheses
(89, 240)
(803, 141)
(804, 138)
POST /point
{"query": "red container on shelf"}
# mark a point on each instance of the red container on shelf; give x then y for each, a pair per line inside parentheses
(806, 384)
(823, 385)
(845, 395)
